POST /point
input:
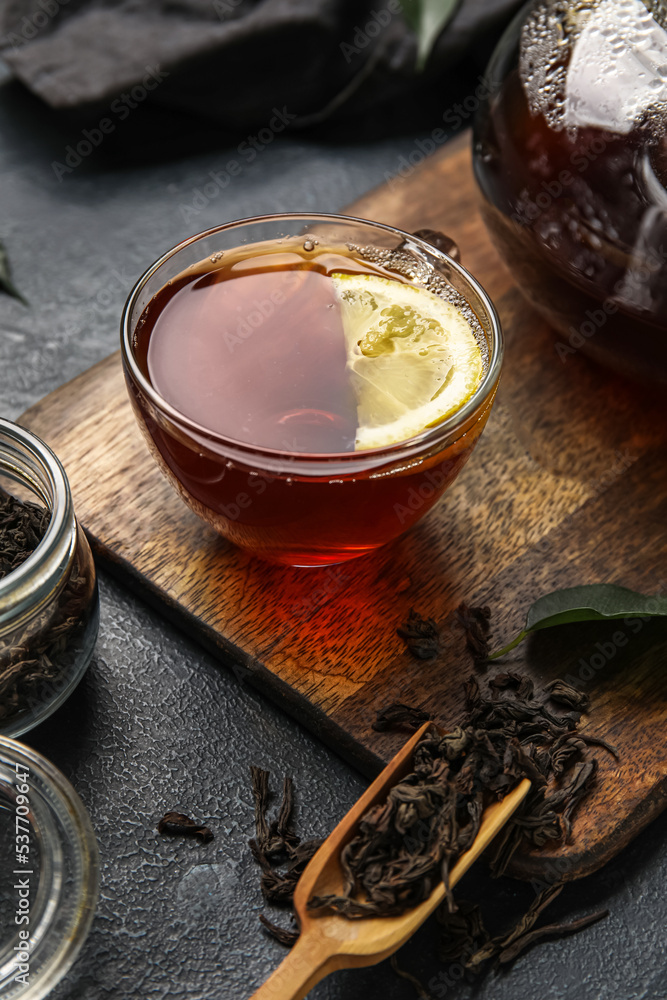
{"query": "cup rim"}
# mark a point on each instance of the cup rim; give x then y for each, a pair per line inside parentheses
(400, 449)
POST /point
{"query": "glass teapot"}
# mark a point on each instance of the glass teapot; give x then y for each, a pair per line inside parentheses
(570, 152)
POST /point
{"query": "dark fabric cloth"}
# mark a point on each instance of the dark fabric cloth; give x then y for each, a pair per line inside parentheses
(232, 61)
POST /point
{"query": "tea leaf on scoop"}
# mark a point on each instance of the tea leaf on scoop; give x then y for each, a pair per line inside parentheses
(406, 845)
(427, 18)
(6, 283)
(588, 603)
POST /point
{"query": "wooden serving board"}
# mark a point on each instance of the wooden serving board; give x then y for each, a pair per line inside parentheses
(567, 486)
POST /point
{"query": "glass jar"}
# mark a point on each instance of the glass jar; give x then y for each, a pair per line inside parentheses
(49, 874)
(570, 152)
(49, 610)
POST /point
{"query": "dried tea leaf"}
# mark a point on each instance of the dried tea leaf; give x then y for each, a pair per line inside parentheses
(282, 934)
(564, 694)
(277, 849)
(34, 657)
(179, 824)
(520, 928)
(407, 844)
(549, 931)
(399, 716)
(592, 602)
(476, 624)
(419, 987)
(22, 526)
(421, 636)
(463, 931)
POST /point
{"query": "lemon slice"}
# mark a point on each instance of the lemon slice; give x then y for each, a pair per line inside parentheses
(412, 356)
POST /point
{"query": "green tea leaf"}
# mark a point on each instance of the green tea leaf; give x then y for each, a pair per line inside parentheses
(6, 283)
(593, 602)
(427, 18)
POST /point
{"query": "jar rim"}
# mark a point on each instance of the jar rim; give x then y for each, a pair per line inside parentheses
(319, 463)
(68, 879)
(27, 459)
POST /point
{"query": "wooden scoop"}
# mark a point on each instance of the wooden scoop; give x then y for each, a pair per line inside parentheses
(329, 941)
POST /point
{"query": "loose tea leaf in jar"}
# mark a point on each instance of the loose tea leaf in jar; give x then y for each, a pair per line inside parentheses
(22, 527)
(39, 654)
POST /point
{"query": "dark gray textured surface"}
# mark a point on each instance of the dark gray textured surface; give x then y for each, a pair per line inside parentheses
(159, 724)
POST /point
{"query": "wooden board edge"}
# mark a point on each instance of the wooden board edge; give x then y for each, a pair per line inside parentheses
(247, 669)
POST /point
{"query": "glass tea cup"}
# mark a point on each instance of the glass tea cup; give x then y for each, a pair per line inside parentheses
(285, 505)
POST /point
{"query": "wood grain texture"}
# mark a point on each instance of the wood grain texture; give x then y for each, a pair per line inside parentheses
(567, 486)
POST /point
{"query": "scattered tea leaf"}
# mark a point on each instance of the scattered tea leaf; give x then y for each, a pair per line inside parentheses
(399, 716)
(277, 849)
(419, 987)
(521, 927)
(564, 694)
(428, 18)
(6, 283)
(475, 622)
(406, 845)
(279, 835)
(282, 934)
(421, 636)
(179, 824)
(506, 947)
(462, 932)
(549, 931)
(592, 602)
